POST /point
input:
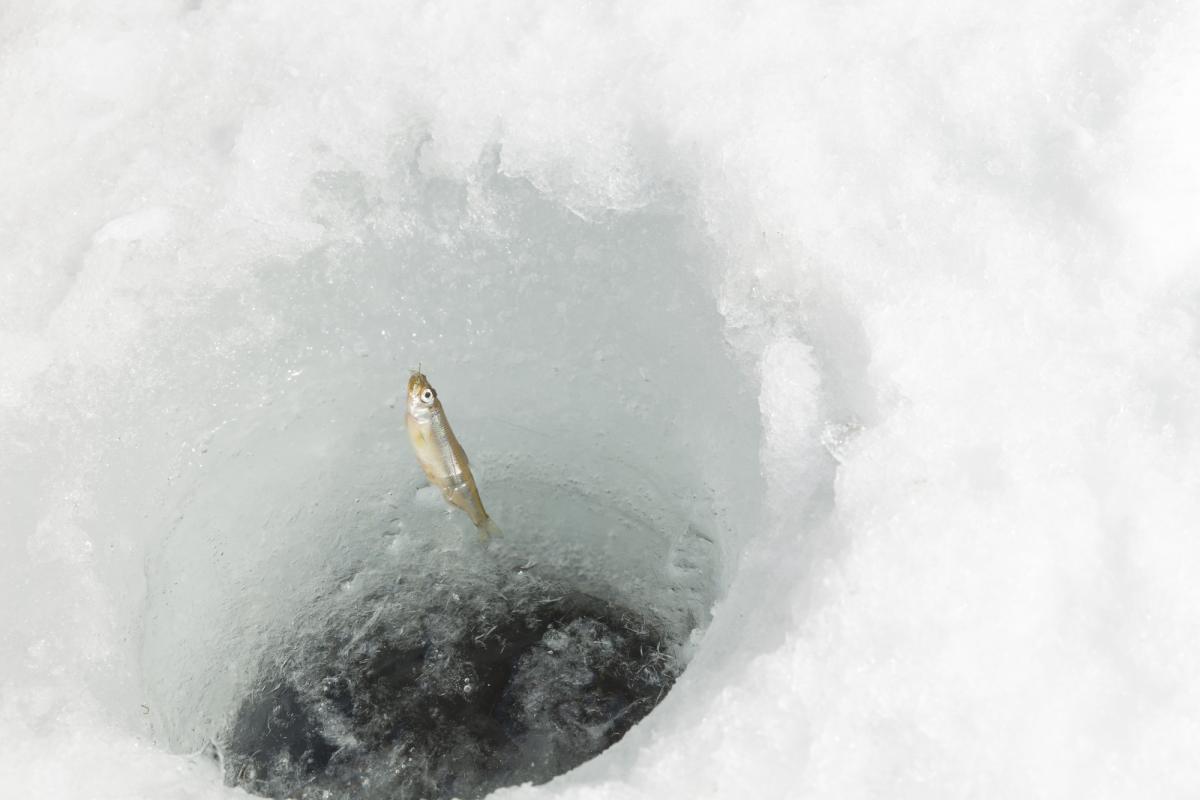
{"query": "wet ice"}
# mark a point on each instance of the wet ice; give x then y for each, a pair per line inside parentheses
(475, 689)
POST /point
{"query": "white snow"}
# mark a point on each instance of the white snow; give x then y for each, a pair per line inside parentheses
(896, 301)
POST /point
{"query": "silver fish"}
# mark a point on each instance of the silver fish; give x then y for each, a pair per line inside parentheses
(441, 456)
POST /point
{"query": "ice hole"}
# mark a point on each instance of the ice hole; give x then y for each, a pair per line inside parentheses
(321, 623)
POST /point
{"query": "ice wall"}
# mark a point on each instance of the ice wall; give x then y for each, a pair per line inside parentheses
(585, 369)
(949, 252)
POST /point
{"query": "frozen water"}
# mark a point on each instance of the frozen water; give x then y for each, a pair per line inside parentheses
(310, 500)
(869, 330)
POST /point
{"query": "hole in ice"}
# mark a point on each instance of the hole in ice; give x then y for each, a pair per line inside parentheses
(479, 688)
(309, 612)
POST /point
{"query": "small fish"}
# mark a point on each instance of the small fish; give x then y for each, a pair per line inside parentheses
(441, 455)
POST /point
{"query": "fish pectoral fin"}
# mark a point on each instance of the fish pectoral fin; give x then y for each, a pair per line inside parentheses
(458, 494)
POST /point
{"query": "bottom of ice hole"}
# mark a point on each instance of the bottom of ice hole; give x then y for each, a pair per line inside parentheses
(448, 704)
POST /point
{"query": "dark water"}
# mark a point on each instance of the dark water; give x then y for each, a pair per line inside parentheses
(455, 702)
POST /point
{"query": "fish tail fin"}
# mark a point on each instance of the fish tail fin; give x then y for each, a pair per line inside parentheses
(488, 529)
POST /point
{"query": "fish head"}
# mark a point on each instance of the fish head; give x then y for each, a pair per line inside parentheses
(421, 396)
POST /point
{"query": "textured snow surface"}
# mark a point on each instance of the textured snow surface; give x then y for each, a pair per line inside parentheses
(870, 328)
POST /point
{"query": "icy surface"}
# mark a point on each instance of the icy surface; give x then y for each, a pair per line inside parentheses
(874, 323)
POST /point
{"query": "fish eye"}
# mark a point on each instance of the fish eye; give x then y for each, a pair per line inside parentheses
(427, 396)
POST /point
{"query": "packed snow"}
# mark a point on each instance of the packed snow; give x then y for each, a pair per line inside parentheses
(853, 346)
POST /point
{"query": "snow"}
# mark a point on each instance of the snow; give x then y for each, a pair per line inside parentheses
(856, 342)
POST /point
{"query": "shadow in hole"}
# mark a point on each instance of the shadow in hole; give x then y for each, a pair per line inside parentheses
(434, 710)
